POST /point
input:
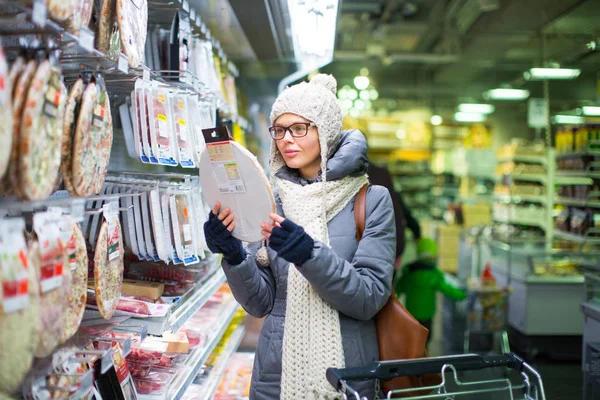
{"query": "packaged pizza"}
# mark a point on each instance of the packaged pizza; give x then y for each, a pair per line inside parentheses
(108, 264)
(82, 14)
(71, 116)
(132, 18)
(161, 135)
(107, 25)
(6, 135)
(41, 132)
(93, 140)
(19, 306)
(61, 10)
(78, 264)
(49, 255)
(182, 131)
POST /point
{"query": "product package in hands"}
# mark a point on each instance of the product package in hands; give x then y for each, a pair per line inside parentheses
(232, 176)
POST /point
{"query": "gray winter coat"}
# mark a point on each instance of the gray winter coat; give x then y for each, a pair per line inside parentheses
(355, 278)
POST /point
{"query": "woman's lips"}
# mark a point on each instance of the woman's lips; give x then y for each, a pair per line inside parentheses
(291, 153)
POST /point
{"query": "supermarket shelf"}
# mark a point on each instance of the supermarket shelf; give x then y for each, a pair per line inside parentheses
(212, 383)
(529, 178)
(576, 238)
(199, 356)
(543, 160)
(565, 177)
(567, 201)
(591, 309)
(188, 306)
(512, 221)
(505, 198)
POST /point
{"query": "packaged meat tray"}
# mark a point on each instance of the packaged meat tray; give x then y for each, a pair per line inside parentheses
(156, 383)
(164, 273)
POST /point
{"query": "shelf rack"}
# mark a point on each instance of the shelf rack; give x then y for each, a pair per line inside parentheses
(198, 357)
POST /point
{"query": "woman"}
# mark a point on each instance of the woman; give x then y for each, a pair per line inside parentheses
(318, 287)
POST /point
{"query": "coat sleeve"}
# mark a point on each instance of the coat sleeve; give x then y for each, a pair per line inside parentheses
(359, 289)
(449, 290)
(252, 286)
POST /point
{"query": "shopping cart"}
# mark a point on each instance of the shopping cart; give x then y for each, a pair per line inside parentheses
(530, 386)
(487, 314)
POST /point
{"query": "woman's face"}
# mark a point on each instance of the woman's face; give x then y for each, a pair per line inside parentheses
(302, 153)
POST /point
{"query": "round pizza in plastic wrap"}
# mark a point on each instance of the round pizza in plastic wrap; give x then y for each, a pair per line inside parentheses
(19, 334)
(73, 105)
(84, 146)
(108, 274)
(5, 115)
(104, 149)
(52, 303)
(132, 18)
(82, 14)
(61, 10)
(106, 21)
(78, 263)
(41, 133)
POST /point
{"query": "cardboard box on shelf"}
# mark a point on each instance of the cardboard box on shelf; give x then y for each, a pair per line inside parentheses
(153, 290)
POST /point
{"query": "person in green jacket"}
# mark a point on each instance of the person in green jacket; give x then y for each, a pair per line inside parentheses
(420, 282)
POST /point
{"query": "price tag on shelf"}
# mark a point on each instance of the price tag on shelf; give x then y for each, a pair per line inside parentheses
(186, 5)
(193, 15)
(198, 22)
(122, 63)
(40, 13)
(86, 39)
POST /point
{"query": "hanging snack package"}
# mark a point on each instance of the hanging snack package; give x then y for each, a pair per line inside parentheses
(234, 171)
(146, 116)
(182, 131)
(167, 226)
(182, 229)
(108, 263)
(151, 254)
(41, 132)
(78, 264)
(139, 227)
(163, 144)
(19, 306)
(157, 226)
(54, 275)
(142, 147)
(6, 134)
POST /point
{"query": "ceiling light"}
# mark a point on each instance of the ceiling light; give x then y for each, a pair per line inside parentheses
(591, 110)
(538, 74)
(361, 82)
(468, 117)
(476, 108)
(436, 120)
(373, 94)
(568, 119)
(506, 94)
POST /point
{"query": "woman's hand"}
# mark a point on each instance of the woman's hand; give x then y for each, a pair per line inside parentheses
(288, 239)
(219, 239)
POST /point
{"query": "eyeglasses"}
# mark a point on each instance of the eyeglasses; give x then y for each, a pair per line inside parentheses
(299, 129)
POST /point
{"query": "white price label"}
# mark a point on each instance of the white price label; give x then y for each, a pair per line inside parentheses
(198, 22)
(122, 63)
(86, 39)
(146, 73)
(193, 14)
(40, 13)
(186, 5)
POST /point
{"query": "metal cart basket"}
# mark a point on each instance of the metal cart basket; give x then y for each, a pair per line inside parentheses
(530, 386)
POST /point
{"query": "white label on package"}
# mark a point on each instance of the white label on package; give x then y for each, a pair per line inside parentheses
(225, 168)
(187, 232)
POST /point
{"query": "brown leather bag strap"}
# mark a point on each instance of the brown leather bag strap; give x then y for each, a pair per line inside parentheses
(360, 211)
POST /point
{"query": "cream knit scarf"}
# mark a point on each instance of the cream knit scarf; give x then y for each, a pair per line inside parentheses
(312, 339)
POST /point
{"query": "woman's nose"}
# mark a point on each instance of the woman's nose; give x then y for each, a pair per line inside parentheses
(287, 136)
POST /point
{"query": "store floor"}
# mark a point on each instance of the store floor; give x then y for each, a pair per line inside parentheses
(562, 380)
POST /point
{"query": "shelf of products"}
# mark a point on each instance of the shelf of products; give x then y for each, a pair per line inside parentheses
(236, 381)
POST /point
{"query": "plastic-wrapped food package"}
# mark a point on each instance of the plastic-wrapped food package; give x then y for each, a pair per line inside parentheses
(49, 256)
(139, 228)
(182, 131)
(104, 149)
(78, 264)
(19, 306)
(162, 139)
(156, 383)
(139, 120)
(151, 254)
(5, 115)
(72, 106)
(165, 273)
(182, 218)
(108, 266)
(166, 214)
(157, 226)
(132, 17)
(81, 16)
(146, 114)
(41, 132)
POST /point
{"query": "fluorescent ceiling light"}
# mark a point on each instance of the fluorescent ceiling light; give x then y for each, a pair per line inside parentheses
(593, 111)
(506, 94)
(568, 119)
(537, 74)
(468, 117)
(476, 108)
(436, 120)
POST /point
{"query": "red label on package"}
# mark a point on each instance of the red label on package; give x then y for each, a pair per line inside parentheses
(72, 252)
(52, 260)
(15, 282)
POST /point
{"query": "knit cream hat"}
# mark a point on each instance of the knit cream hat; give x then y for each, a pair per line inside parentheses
(317, 102)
